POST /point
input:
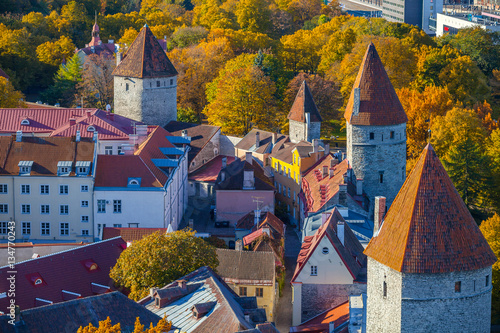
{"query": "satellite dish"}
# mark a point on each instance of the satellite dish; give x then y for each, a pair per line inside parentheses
(108, 107)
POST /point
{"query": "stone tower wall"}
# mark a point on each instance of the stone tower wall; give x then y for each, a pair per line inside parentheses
(146, 101)
(428, 302)
(371, 157)
(297, 131)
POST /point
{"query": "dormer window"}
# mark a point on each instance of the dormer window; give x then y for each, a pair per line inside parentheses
(25, 122)
(25, 167)
(35, 279)
(90, 265)
(91, 128)
(134, 182)
(64, 168)
(82, 168)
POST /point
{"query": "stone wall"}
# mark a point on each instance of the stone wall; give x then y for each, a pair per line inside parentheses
(227, 144)
(297, 131)
(317, 298)
(381, 155)
(314, 131)
(128, 103)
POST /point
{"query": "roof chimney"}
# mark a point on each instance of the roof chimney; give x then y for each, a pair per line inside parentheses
(182, 284)
(343, 195)
(378, 214)
(224, 162)
(331, 327)
(78, 136)
(256, 218)
(257, 140)
(359, 186)
(327, 149)
(315, 145)
(19, 136)
(275, 138)
(325, 171)
(248, 157)
(72, 121)
(118, 58)
(324, 217)
(340, 231)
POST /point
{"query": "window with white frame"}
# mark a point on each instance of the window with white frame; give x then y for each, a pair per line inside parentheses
(25, 189)
(63, 189)
(44, 189)
(3, 228)
(108, 150)
(117, 206)
(84, 188)
(64, 228)
(64, 209)
(4, 208)
(25, 209)
(85, 203)
(101, 206)
(3, 188)
(44, 209)
(26, 228)
(45, 228)
(314, 270)
(82, 170)
(85, 218)
(85, 232)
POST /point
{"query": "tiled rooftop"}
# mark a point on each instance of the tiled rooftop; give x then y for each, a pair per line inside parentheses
(210, 170)
(248, 143)
(234, 174)
(428, 228)
(248, 266)
(339, 315)
(304, 103)
(130, 234)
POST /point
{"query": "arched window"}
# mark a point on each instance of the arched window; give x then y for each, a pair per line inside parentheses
(91, 129)
(25, 122)
(133, 182)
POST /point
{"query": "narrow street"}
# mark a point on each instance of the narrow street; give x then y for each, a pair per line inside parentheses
(284, 308)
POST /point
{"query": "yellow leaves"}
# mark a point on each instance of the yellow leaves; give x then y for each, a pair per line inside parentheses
(105, 326)
(9, 98)
(53, 53)
(128, 36)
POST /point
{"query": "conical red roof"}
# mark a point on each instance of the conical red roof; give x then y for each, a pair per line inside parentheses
(378, 103)
(428, 228)
(303, 103)
(145, 58)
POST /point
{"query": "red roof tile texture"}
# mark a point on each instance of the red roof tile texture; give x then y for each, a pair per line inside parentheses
(428, 228)
(265, 142)
(63, 271)
(304, 103)
(210, 170)
(320, 324)
(145, 58)
(378, 105)
(130, 234)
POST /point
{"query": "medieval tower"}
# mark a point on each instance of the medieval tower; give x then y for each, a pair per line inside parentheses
(304, 119)
(429, 266)
(145, 82)
(376, 131)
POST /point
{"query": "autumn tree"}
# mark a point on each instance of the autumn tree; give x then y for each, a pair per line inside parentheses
(105, 326)
(186, 36)
(159, 259)
(9, 97)
(243, 41)
(491, 231)
(303, 10)
(211, 15)
(96, 86)
(493, 151)
(253, 15)
(65, 84)
(187, 115)
(53, 53)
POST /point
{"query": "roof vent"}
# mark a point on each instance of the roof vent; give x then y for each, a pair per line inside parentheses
(201, 309)
(25, 122)
(90, 265)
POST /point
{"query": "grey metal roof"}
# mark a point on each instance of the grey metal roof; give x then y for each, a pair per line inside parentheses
(85, 164)
(64, 164)
(25, 163)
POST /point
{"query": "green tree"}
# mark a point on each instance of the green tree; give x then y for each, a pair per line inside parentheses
(491, 231)
(9, 98)
(493, 151)
(65, 83)
(253, 15)
(159, 259)
(186, 36)
(187, 115)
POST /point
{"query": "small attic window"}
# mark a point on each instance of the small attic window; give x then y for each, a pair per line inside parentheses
(91, 129)
(25, 122)
(82, 168)
(35, 279)
(90, 265)
(25, 167)
(134, 182)
(64, 168)
(38, 281)
(325, 250)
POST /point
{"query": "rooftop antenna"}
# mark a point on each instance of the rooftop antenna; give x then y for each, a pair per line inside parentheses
(257, 201)
(95, 17)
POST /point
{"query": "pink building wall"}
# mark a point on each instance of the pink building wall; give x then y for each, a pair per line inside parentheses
(233, 205)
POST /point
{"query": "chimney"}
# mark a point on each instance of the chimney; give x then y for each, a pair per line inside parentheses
(359, 186)
(182, 284)
(184, 133)
(378, 214)
(72, 121)
(340, 231)
(327, 149)
(343, 195)
(331, 327)
(308, 124)
(224, 162)
(346, 178)
(248, 157)
(19, 136)
(238, 245)
(256, 218)
(315, 145)
(275, 138)
(88, 113)
(266, 230)
(324, 217)
(78, 136)
(257, 140)
(332, 170)
(355, 107)
(118, 58)
(152, 291)
(325, 171)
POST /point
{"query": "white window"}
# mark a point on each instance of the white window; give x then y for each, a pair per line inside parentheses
(25, 209)
(64, 209)
(25, 189)
(108, 150)
(82, 170)
(64, 229)
(117, 206)
(3, 228)
(4, 208)
(45, 229)
(85, 232)
(44, 209)
(85, 203)
(63, 189)
(101, 206)
(85, 218)
(314, 270)
(44, 189)
(63, 170)
(84, 188)
(3, 188)
(26, 228)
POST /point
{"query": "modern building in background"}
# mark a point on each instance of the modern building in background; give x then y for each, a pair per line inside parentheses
(451, 23)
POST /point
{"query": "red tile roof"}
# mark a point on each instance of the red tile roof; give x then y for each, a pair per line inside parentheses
(268, 220)
(379, 105)
(265, 142)
(130, 234)
(304, 103)
(428, 228)
(234, 174)
(62, 271)
(318, 190)
(351, 252)
(210, 170)
(145, 58)
(339, 315)
(56, 122)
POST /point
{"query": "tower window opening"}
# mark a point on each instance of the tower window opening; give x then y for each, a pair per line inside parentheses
(126, 86)
(458, 286)
(384, 291)
(171, 82)
(392, 135)
(372, 136)
(381, 177)
(158, 84)
(487, 280)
